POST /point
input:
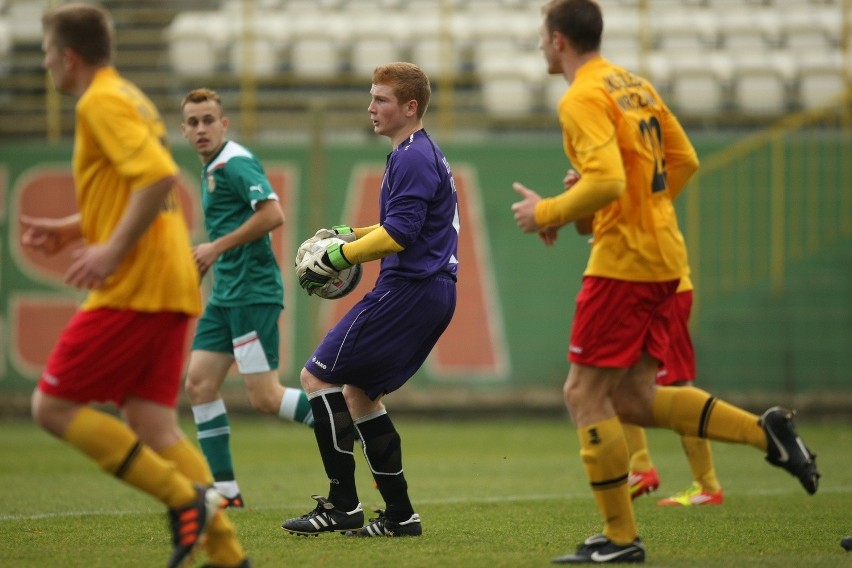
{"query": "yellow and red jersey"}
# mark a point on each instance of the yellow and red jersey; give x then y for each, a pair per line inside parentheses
(120, 147)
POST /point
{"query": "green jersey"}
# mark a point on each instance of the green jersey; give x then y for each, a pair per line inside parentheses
(232, 184)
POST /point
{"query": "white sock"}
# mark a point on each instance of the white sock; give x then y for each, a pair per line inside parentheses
(228, 489)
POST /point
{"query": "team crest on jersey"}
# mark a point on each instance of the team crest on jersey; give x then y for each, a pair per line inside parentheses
(211, 183)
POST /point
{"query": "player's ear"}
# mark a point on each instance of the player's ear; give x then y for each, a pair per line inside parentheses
(411, 108)
(70, 58)
(225, 122)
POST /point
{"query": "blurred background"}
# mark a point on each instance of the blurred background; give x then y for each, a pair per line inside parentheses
(762, 87)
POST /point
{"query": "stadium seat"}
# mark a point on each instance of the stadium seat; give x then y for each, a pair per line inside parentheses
(197, 42)
(318, 41)
(622, 22)
(554, 89)
(747, 30)
(25, 20)
(368, 53)
(820, 80)
(630, 59)
(507, 96)
(816, 27)
(494, 54)
(257, 48)
(510, 85)
(699, 85)
(658, 68)
(759, 89)
(697, 92)
(375, 40)
(436, 55)
(676, 30)
(5, 46)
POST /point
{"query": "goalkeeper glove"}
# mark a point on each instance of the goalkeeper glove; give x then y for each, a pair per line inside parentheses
(343, 232)
(317, 269)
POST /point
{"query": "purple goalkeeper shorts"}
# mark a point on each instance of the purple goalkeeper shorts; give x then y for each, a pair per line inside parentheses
(385, 338)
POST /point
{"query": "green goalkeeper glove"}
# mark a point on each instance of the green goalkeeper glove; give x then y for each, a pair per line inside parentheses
(323, 265)
(343, 232)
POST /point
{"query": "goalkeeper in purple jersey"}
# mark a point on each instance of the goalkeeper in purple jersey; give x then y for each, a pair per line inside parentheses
(385, 338)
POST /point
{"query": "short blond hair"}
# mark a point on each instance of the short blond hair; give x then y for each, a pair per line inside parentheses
(201, 95)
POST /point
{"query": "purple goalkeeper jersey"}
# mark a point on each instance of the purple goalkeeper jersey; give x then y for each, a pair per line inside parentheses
(418, 207)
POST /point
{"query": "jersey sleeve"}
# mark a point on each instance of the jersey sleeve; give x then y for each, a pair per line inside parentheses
(681, 157)
(413, 182)
(590, 131)
(590, 136)
(249, 180)
(126, 138)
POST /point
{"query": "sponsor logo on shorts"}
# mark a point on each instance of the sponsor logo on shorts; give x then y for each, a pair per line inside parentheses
(319, 363)
(51, 380)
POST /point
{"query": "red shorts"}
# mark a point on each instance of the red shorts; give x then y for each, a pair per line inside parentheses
(679, 362)
(615, 321)
(107, 355)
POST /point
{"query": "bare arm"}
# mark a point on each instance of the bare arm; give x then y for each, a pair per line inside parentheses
(96, 262)
(49, 235)
(266, 217)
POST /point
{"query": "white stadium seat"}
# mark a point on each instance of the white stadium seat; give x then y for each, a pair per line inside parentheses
(258, 51)
(25, 19)
(759, 89)
(197, 42)
(820, 79)
(699, 85)
(318, 41)
(5, 46)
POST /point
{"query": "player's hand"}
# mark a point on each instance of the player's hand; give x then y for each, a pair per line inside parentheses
(321, 266)
(92, 266)
(570, 179)
(524, 210)
(584, 226)
(47, 235)
(548, 235)
(205, 255)
(343, 232)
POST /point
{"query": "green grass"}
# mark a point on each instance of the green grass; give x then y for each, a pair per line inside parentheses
(492, 493)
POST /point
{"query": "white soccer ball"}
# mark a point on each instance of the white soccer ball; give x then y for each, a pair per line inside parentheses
(346, 281)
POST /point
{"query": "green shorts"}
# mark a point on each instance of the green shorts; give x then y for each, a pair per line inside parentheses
(250, 333)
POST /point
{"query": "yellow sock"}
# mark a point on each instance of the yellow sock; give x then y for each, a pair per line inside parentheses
(604, 454)
(189, 462)
(221, 543)
(117, 450)
(701, 462)
(637, 448)
(692, 412)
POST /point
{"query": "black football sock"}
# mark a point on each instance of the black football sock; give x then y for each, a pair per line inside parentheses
(335, 436)
(383, 450)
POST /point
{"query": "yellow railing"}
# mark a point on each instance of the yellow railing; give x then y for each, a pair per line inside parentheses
(773, 198)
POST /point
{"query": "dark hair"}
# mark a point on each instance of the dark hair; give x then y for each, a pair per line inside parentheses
(201, 95)
(408, 81)
(85, 28)
(580, 21)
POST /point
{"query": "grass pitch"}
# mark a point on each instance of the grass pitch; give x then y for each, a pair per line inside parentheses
(492, 493)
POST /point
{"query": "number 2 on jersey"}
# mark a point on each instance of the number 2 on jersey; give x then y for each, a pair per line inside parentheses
(653, 135)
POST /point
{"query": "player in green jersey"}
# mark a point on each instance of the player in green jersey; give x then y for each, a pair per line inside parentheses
(240, 321)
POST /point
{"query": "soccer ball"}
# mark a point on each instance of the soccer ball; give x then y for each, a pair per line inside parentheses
(346, 281)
